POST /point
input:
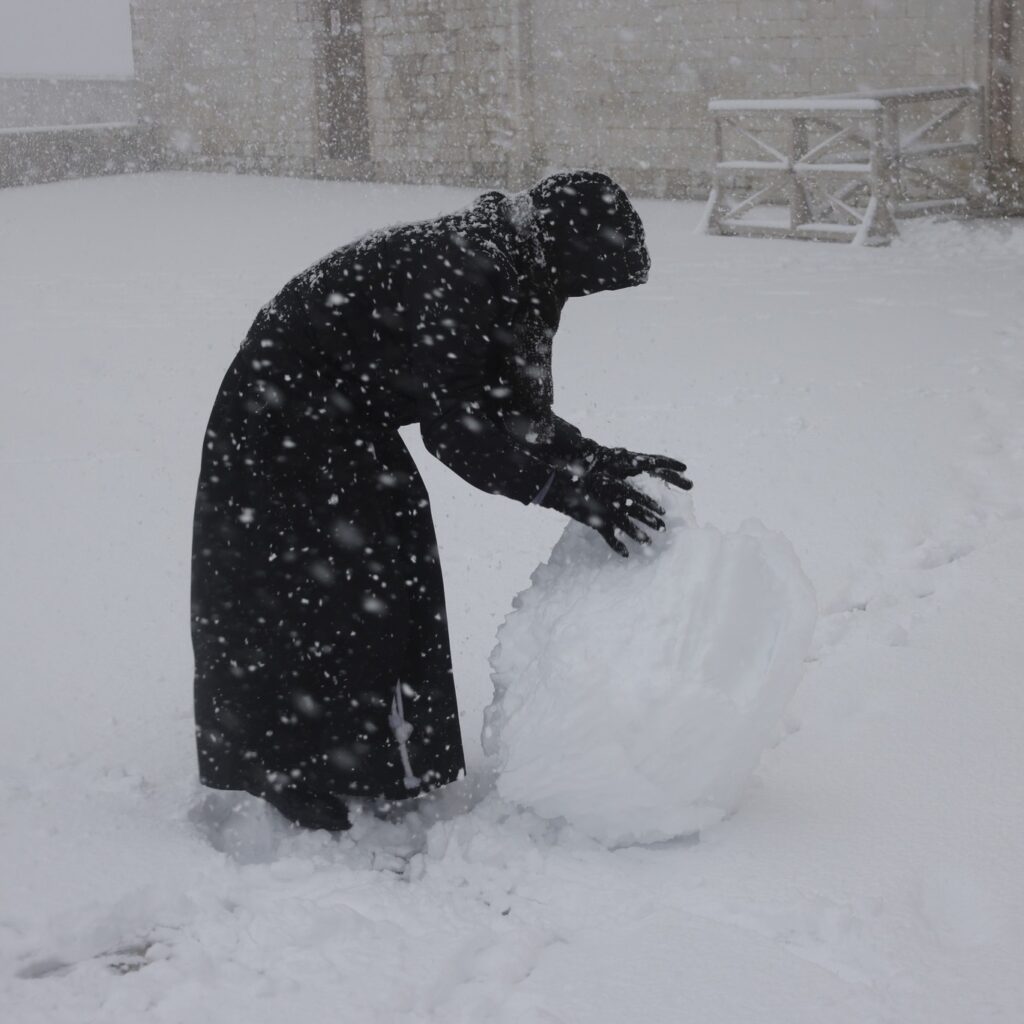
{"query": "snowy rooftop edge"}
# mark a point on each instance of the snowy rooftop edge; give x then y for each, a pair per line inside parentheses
(59, 76)
(40, 129)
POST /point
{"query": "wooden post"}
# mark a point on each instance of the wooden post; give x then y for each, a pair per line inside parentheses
(879, 226)
(1000, 83)
(712, 220)
(977, 190)
(891, 129)
(799, 203)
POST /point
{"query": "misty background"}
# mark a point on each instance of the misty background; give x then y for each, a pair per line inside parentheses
(65, 37)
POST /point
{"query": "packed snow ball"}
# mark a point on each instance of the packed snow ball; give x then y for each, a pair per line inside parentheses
(635, 696)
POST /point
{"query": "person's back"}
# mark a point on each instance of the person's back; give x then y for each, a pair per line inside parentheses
(351, 322)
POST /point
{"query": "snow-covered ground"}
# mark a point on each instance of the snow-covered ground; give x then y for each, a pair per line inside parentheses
(869, 404)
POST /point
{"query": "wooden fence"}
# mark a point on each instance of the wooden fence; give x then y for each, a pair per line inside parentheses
(845, 168)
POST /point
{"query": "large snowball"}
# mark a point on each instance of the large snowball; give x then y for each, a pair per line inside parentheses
(633, 697)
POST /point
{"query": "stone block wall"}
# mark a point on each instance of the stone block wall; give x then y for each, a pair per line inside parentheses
(229, 83)
(234, 83)
(445, 89)
(32, 156)
(490, 92)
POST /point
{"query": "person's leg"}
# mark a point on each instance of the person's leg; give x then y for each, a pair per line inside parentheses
(322, 662)
(424, 708)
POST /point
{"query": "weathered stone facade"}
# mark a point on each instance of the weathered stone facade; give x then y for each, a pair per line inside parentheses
(228, 82)
(33, 102)
(31, 156)
(446, 89)
(55, 128)
(497, 91)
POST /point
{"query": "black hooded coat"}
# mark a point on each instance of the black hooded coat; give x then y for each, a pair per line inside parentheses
(322, 656)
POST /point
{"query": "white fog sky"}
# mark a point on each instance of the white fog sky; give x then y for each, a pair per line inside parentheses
(65, 37)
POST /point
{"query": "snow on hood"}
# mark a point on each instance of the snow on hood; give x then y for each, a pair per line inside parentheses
(591, 236)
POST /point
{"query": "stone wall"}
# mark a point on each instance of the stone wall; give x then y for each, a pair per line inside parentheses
(34, 102)
(499, 91)
(445, 89)
(228, 83)
(31, 156)
(57, 128)
(234, 83)
(626, 87)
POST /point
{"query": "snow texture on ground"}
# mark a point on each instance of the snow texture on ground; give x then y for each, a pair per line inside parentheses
(865, 404)
(633, 698)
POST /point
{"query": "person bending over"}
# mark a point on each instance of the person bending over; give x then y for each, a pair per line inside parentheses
(322, 663)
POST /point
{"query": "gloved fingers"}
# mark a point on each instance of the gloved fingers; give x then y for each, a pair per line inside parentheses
(613, 542)
(626, 493)
(646, 517)
(624, 463)
(621, 462)
(655, 463)
(631, 530)
(676, 479)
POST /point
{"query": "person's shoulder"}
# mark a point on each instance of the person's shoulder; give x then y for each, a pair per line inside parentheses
(478, 241)
(481, 265)
(459, 262)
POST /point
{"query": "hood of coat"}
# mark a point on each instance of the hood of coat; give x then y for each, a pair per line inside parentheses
(591, 237)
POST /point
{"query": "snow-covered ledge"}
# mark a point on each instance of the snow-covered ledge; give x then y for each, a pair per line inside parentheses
(33, 155)
(55, 127)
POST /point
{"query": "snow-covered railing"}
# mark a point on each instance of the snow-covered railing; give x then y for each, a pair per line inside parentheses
(845, 166)
(98, 126)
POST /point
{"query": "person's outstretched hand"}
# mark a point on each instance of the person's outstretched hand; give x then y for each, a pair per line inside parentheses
(622, 464)
(605, 503)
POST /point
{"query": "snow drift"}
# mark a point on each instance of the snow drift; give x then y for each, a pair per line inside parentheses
(633, 697)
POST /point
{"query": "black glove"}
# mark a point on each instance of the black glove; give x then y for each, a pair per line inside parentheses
(606, 504)
(622, 464)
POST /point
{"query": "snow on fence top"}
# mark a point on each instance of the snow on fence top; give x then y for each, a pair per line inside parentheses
(872, 100)
(809, 103)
